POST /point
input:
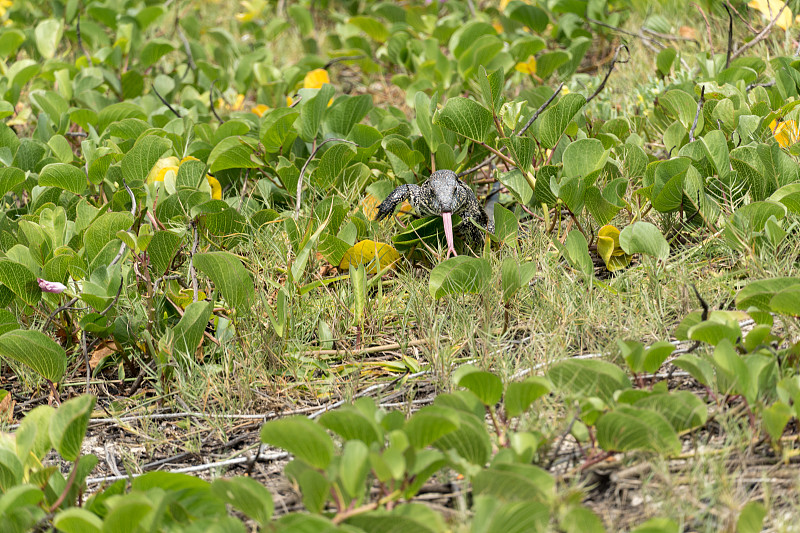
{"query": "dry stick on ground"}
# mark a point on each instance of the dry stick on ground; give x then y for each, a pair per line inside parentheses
(671, 37)
(700, 103)
(610, 70)
(761, 36)
(367, 351)
(153, 87)
(303, 171)
(708, 28)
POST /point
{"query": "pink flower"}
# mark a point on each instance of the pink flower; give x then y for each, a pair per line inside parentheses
(51, 286)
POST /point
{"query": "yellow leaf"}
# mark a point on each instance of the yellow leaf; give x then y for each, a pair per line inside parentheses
(216, 188)
(316, 79)
(251, 10)
(366, 252)
(527, 67)
(188, 158)
(160, 169)
(609, 249)
(260, 109)
(369, 205)
(497, 27)
(786, 133)
(184, 297)
(769, 9)
(237, 106)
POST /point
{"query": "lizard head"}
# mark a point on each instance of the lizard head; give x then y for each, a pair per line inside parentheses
(444, 185)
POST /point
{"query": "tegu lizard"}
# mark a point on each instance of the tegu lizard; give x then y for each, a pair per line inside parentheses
(443, 194)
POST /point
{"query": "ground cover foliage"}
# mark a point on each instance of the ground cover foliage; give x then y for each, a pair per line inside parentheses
(188, 249)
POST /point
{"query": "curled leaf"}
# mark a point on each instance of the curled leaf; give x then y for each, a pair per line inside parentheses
(609, 249)
(162, 166)
(786, 133)
(769, 9)
(366, 252)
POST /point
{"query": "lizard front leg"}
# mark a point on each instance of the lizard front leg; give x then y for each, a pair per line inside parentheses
(395, 198)
(472, 217)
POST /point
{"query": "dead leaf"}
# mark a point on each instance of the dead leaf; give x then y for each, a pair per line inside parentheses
(365, 253)
(100, 353)
(687, 32)
(7, 407)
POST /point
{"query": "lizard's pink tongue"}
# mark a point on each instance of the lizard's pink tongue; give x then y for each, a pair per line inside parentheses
(447, 218)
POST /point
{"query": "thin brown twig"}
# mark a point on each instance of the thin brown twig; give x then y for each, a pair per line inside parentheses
(366, 351)
(186, 47)
(746, 23)
(163, 101)
(614, 61)
(708, 28)
(540, 110)
(669, 37)
(640, 35)
(211, 102)
(70, 481)
(700, 103)
(762, 35)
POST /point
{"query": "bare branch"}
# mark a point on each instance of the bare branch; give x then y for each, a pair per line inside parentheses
(697, 113)
(211, 102)
(708, 28)
(541, 109)
(610, 69)
(761, 36)
(153, 87)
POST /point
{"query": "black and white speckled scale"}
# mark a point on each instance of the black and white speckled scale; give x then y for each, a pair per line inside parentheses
(443, 194)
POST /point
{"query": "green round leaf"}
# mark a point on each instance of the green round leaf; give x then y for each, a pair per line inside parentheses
(459, 275)
(36, 350)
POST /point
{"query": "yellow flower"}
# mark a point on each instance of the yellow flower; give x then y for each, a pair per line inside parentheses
(161, 168)
(4, 5)
(497, 27)
(237, 105)
(786, 133)
(216, 188)
(289, 101)
(504, 4)
(251, 10)
(565, 90)
(260, 109)
(527, 67)
(316, 79)
(770, 8)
